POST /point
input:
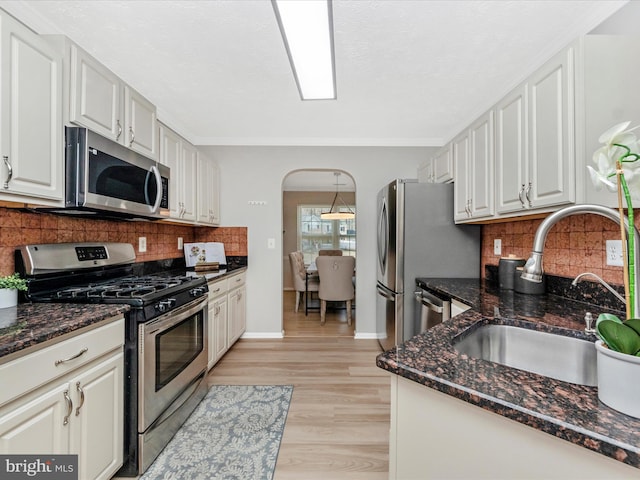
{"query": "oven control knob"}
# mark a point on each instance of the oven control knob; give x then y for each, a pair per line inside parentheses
(165, 305)
(196, 292)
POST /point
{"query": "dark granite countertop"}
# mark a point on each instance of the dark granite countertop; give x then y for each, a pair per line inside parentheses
(34, 325)
(568, 411)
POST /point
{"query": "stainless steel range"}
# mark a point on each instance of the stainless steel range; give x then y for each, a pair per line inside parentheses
(166, 333)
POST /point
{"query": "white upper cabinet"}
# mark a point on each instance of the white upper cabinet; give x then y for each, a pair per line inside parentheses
(552, 160)
(100, 101)
(482, 160)
(181, 157)
(208, 191)
(443, 165)
(473, 163)
(438, 169)
(512, 165)
(535, 154)
(31, 168)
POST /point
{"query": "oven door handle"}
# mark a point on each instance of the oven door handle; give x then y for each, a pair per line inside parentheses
(174, 317)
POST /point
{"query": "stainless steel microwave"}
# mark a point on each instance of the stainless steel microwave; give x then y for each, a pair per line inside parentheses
(104, 178)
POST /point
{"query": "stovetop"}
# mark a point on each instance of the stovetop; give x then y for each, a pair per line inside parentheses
(100, 273)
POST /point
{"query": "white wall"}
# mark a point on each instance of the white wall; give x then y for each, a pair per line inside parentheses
(256, 173)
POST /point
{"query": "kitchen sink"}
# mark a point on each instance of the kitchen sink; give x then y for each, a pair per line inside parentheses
(563, 358)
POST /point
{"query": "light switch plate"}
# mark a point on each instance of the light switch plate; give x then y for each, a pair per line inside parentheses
(142, 244)
(180, 243)
(614, 253)
(497, 246)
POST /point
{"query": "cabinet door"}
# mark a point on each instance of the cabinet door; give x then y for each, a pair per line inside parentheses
(425, 172)
(443, 165)
(511, 153)
(551, 132)
(98, 420)
(37, 426)
(482, 159)
(462, 196)
(31, 122)
(170, 155)
(220, 340)
(140, 124)
(95, 96)
(189, 180)
(237, 315)
(208, 191)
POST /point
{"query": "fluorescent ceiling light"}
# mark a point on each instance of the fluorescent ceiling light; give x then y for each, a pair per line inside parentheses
(307, 31)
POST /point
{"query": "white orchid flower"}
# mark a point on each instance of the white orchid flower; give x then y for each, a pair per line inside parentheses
(618, 134)
(605, 174)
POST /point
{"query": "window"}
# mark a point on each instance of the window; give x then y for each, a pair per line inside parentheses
(316, 234)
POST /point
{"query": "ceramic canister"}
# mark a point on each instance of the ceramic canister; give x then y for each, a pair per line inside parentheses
(506, 268)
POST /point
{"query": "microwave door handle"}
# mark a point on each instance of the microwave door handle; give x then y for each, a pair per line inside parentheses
(156, 174)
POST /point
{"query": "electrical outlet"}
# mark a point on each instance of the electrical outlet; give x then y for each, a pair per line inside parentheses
(142, 244)
(180, 243)
(614, 253)
(497, 246)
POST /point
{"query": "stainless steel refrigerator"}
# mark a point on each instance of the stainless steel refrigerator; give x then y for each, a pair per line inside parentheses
(417, 237)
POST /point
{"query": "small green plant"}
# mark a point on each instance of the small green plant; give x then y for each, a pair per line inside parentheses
(13, 282)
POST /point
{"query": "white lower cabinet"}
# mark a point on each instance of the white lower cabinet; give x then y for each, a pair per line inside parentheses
(237, 317)
(78, 410)
(227, 314)
(218, 290)
(430, 429)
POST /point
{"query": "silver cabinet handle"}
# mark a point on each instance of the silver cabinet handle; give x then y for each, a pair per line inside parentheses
(520, 196)
(67, 399)
(526, 194)
(133, 136)
(79, 354)
(216, 310)
(119, 130)
(81, 391)
(5, 158)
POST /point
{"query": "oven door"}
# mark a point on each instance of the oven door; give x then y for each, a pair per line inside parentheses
(173, 353)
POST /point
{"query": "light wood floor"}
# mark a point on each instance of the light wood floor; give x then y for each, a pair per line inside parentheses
(338, 422)
(301, 325)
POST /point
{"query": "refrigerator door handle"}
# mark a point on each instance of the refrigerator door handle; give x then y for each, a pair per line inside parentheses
(382, 292)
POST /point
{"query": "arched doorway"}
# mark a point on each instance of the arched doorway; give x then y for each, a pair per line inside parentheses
(306, 193)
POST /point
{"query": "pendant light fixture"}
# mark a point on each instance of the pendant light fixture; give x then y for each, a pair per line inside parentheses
(337, 214)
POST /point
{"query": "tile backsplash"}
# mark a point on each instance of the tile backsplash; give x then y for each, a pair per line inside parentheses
(574, 245)
(20, 228)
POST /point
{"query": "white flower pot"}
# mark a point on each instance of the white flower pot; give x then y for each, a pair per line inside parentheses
(8, 297)
(618, 385)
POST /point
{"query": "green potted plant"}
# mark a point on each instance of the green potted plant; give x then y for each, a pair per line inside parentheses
(9, 286)
(618, 350)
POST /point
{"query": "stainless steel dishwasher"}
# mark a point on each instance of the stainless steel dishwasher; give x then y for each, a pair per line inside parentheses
(431, 310)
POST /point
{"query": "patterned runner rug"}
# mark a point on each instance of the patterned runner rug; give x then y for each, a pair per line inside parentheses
(234, 433)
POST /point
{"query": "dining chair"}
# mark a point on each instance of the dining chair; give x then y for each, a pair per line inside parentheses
(336, 282)
(301, 283)
(333, 253)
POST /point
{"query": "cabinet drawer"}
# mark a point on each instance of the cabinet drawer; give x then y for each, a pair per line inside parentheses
(237, 280)
(217, 288)
(35, 369)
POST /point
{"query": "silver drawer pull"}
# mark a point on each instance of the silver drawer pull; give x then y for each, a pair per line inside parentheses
(9, 171)
(67, 399)
(81, 391)
(119, 130)
(79, 354)
(132, 136)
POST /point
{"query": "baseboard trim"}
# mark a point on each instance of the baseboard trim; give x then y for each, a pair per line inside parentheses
(269, 335)
(366, 336)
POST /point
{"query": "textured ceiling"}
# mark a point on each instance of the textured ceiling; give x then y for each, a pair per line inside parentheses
(408, 72)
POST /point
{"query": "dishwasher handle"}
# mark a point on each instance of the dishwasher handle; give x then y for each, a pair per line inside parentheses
(429, 303)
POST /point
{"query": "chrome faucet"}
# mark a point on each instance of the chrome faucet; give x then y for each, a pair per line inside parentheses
(533, 270)
(604, 284)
